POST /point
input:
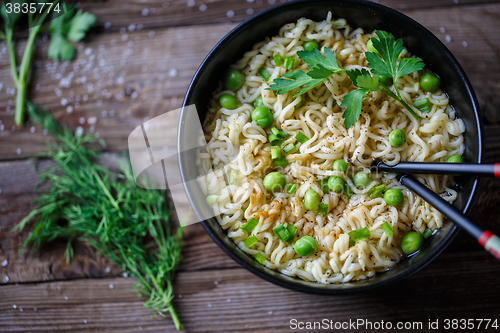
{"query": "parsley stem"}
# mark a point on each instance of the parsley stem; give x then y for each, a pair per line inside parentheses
(389, 92)
(21, 81)
(12, 53)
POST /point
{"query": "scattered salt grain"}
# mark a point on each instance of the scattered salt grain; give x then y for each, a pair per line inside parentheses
(166, 4)
(447, 38)
(58, 287)
(202, 8)
(66, 298)
(33, 129)
(250, 1)
(5, 262)
(79, 130)
(69, 109)
(2, 127)
(107, 25)
(37, 87)
(145, 12)
(132, 27)
(124, 37)
(64, 101)
(85, 321)
(14, 306)
(88, 51)
(270, 312)
(464, 43)
(139, 28)
(216, 283)
(21, 309)
(151, 34)
(229, 300)
(125, 274)
(111, 286)
(209, 305)
(92, 121)
(180, 296)
(112, 113)
(230, 13)
(442, 30)
(13, 129)
(97, 135)
(173, 72)
(250, 11)
(191, 3)
(123, 30)
(19, 151)
(144, 69)
(35, 309)
(134, 95)
(81, 120)
(45, 132)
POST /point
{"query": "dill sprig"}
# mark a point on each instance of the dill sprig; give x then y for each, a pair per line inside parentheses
(106, 210)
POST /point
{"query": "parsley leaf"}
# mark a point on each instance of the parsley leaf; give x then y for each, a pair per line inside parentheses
(294, 80)
(320, 68)
(390, 50)
(79, 25)
(352, 102)
(65, 28)
(60, 48)
(385, 64)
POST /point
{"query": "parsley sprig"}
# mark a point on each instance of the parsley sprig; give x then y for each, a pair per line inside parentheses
(384, 65)
(107, 210)
(320, 68)
(65, 26)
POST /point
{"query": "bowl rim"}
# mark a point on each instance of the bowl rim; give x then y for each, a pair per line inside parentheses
(360, 288)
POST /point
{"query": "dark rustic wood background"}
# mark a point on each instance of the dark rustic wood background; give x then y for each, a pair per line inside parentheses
(137, 64)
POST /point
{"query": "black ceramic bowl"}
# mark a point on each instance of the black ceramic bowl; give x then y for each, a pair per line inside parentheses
(369, 16)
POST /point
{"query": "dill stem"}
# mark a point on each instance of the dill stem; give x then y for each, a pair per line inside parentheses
(175, 319)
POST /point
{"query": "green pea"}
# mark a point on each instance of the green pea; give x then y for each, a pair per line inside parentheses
(370, 47)
(311, 200)
(311, 45)
(430, 82)
(233, 80)
(262, 116)
(394, 197)
(305, 246)
(455, 159)
(228, 101)
(386, 80)
(340, 165)
(412, 242)
(336, 184)
(274, 181)
(258, 102)
(361, 179)
(397, 138)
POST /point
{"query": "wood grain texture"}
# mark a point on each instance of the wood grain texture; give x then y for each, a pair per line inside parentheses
(234, 300)
(155, 14)
(124, 79)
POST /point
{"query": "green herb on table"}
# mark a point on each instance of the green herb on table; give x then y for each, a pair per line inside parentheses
(320, 68)
(384, 64)
(62, 28)
(86, 201)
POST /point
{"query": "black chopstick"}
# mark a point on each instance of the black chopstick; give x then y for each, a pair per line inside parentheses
(453, 169)
(486, 239)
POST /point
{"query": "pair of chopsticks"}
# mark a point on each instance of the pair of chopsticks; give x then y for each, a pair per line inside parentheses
(485, 238)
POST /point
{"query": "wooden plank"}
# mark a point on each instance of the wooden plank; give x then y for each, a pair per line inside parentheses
(246, 303)
(171, 57)
(155, 14)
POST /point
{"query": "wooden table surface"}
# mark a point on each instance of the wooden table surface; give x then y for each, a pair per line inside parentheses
(137, 64)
